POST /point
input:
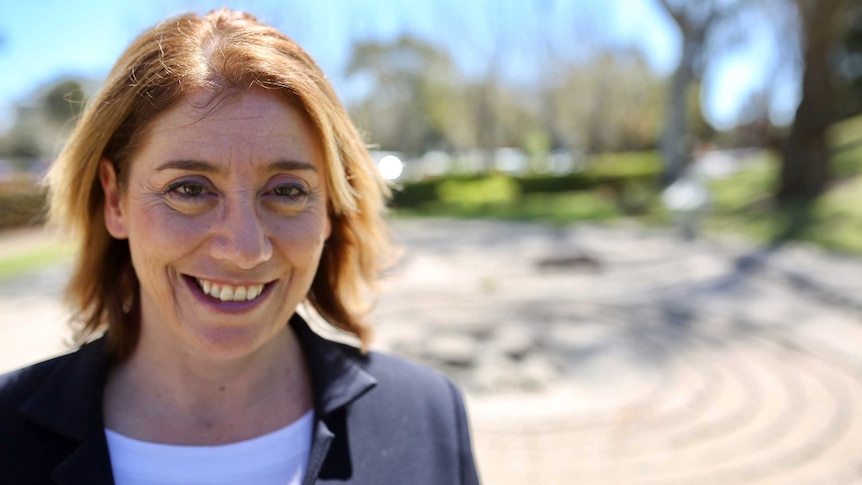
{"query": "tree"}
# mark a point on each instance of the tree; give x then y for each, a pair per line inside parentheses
(41, 122)
(695, 20)
(848, 67)
(63, 101)
(414, 95)
(612, 102)
(806, 154)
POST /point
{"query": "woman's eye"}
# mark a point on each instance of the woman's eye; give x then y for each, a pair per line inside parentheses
(187, 190)
(289, 191)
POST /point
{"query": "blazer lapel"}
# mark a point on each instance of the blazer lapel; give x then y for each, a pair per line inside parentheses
(336, 380)
(88, 464)
(321, 441)
(69, 404)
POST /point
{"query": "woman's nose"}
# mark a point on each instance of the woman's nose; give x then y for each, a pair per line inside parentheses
(241, 238)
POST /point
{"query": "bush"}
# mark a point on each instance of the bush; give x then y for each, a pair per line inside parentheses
(625, 177)
(21, 204)
(497, 189)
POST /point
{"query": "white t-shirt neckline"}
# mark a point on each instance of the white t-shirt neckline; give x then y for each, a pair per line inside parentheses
(279, 457)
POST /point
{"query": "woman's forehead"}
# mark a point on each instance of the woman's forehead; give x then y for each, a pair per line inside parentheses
(232, 106)
(253, 130)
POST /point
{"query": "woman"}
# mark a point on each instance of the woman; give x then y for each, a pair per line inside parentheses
(215, 185)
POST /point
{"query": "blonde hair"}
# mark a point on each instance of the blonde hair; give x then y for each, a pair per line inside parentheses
(221, 52)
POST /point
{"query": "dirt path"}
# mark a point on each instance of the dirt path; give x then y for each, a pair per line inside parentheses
(618, 355)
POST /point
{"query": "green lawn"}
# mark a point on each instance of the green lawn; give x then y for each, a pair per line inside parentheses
(28, 260)
(741, 204)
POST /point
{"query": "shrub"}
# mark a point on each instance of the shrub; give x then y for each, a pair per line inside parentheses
(21, 204)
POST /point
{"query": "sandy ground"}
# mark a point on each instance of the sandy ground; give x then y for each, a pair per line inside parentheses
(595, 355)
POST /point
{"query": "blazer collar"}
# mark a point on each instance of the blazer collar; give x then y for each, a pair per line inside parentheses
(336, 380)
(336, 376)
(69, 402)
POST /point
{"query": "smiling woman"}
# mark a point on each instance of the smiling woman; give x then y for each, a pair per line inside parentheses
(216, 184)
(212, 212)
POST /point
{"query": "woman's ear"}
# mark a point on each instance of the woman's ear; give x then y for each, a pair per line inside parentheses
(115, 220)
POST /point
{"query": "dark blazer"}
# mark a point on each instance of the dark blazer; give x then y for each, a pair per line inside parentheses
(378, 420)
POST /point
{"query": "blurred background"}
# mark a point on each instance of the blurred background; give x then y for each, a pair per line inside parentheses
(553, 110)
(639, 185)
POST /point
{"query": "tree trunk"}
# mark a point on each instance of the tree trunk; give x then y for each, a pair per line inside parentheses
(806, 154)
(675, 143)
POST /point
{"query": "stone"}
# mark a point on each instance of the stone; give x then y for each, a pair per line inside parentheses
(458, 350)
(515, 341)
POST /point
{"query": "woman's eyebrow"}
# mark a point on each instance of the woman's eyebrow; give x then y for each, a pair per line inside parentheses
(189, 166)
(290, 166)
(207, 167)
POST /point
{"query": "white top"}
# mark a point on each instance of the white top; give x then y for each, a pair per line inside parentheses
(277, 458)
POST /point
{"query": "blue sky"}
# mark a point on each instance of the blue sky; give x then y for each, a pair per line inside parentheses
(43, 40)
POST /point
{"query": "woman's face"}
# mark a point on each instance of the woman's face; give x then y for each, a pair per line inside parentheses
(226, 216)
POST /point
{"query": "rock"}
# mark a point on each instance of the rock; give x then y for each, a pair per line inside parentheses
(515, 341)
(537, 372)
(499, 373)
(571, 262)
(458, 350)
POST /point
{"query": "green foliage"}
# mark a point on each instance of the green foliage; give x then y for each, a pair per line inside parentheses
(21, 204)
(626, 165)
(742, 204)
(13, 265)
(846, 132)
(846, 139)
(558, 209)
(537, 141)
(418, 99)
(611, 186)
(64, 101)
(628, 178)
(847, 162)
(614, 186)
(496, 189)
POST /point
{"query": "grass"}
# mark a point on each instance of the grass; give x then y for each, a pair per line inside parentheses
(741, 204)
(21, 263)
(554, 208)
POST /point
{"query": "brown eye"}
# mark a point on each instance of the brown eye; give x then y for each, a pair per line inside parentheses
(287, 191)
(187, 190)
(191, 190)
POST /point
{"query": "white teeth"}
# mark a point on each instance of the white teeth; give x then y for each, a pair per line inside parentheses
(230, 293)
(253, 292)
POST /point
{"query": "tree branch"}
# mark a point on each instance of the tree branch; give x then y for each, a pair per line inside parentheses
(677, 16)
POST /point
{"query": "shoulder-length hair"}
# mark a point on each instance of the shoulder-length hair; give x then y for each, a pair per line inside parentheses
(220, 52)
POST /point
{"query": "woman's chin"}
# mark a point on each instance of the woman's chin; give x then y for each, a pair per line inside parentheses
(227, 343)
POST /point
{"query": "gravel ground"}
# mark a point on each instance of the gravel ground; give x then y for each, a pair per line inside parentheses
(604, 355)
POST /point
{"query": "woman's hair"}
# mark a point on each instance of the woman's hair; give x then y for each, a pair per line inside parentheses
(224, 52)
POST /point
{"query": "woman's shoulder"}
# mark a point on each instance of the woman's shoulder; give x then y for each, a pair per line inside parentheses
(18, 385)
(392, 369)
(342, 366)
(51, 377)
(407, 401)
(404, 383)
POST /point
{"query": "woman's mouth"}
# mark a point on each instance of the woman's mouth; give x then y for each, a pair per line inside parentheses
(226, 292)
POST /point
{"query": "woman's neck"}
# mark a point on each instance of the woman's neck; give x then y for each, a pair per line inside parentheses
(166, 396)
